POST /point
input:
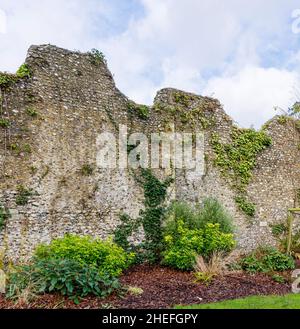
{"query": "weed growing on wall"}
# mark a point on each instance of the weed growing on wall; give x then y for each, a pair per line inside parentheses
(87, 170)
(96, 57)
(23, 72)
(4, 123)
(4, 215)
(23, 195)
(7, 79)
(142, 111)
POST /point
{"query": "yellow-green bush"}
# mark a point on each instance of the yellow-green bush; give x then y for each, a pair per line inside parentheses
(182, 247)
(108, 257)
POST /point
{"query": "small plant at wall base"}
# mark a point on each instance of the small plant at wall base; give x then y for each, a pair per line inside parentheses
(267, 259)
(65, 276)
(278, 229)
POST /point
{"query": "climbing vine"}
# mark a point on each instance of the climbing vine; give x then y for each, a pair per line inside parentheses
(237, 160)
(151, 218)
(246, 206)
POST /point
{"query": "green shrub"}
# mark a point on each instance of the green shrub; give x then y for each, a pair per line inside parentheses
(64, 276)
(109, 258)
(211, 211)
(182, 247)
(216, 240)
(279, 229)
(278, 278)
(252, 264)
(179, 212)
(266, 260)
(277, 261)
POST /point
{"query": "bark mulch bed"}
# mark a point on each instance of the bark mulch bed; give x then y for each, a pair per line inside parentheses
(164, 287)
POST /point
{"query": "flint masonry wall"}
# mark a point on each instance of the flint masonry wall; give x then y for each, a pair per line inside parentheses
(76, 100)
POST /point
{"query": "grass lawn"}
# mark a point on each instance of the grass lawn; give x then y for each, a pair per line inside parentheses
(291, 301)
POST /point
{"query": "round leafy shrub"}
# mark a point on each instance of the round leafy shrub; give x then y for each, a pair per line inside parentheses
(109, 258)
(215, 240)
(266, 260)
(68, 277)
(182, 247)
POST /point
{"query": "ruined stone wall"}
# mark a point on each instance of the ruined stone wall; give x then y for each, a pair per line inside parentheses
(73, 101)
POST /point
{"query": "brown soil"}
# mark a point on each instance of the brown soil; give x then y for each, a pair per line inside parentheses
(163, 288)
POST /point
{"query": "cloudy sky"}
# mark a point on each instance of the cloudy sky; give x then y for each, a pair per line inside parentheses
(246, 53)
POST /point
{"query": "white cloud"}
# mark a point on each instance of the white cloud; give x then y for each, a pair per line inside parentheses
(251, 95)
(2, 22)
(63, 23)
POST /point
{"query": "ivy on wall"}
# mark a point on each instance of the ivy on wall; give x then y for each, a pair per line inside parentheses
(151, 218)
(237, 160)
